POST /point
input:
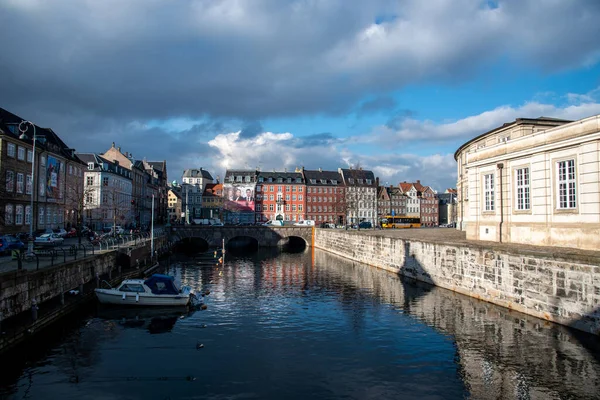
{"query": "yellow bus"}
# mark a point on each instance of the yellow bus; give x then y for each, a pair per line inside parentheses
(400, 221)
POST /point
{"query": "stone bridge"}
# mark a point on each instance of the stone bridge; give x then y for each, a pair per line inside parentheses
(265, 236)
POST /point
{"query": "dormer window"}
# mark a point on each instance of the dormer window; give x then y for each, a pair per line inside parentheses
(298, 180)
(334, 182)
(323, 181)
(360, 181)
(313, 181)
(90, 166)
(238, 178)
(270, 179)
(368, 181)
(351, 180)
(247, 178)
(289, 180)
(279, 180)
(260, 179)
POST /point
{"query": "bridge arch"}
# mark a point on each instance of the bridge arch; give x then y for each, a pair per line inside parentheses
(265, 236)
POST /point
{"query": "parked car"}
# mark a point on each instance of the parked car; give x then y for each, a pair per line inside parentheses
(49, 239)
(72, 233)
(306, 222)
(365, 225)
(8, 243)
(273, 223)
(61, 232)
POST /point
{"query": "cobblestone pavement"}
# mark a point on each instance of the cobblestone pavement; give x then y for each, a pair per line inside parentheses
(453, 236)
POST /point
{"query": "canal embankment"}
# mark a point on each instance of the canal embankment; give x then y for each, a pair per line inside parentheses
(33, 299)
(555, 284)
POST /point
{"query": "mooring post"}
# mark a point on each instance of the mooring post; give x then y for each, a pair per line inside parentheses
(62, 294)
(97, 280)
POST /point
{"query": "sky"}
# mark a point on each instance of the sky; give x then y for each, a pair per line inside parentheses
(391, 86)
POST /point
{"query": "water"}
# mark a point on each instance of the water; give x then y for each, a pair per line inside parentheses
(308, 326)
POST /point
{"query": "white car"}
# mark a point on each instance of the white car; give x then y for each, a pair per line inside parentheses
(49, 239)
(61, 232)
(306, 222)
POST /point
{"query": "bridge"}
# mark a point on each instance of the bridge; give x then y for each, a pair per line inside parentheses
(265, 236)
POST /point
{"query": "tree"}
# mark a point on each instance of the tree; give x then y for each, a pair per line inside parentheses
(77, 197)
(115, 205)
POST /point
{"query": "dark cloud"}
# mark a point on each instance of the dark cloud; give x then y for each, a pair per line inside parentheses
(317, 139)
(395, 122)
(251, 129)
(381, 103)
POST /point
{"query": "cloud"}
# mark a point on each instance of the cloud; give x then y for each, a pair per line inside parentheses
(380, 103)
(159, 59)
(468, 127)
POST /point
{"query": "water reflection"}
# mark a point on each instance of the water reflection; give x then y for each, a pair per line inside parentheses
(310, 325)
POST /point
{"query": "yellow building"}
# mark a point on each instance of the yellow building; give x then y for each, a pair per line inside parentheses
(533, 181)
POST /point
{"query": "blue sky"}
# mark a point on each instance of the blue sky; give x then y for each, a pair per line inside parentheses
(395, 86)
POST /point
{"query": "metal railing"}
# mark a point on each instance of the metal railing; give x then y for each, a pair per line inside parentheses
(52, 256)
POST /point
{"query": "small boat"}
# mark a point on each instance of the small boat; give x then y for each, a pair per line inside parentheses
(158, 290)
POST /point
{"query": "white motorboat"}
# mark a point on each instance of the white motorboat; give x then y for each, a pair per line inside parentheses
(158, 290)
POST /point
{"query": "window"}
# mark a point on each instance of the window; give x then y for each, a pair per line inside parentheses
(8, 214)
(300, 188)
(293, 197)
(90, 166)
(10, 150)
(523, 202)
(270, 207)
(489, 192)
(369, 181)
(300, 197)
(333, 181)
(287, 188)
(351, 180)
(29, 156)
(10, 181)
(258, 188)
(293, 207)
(271, 188)
(105, 181)
(567, 198)
(293, 188)
(258, 207)
(41, 216)
(279, 189)
(271, 197)
(20, 182)
(43, 161)
(299, 207)
(19, 215)
(287, 207)
(89, 180)
(287, 197)
(27, 215)
(70, 169)
(28, 184)
(129, 287)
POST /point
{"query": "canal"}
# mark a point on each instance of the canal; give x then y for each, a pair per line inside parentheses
(307, 325)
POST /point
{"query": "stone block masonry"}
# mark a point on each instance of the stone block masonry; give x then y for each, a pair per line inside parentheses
(561, 289)
(19, 288)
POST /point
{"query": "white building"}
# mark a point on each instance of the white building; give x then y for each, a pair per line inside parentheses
(107, 193)
(194, 184)
(413, 202)
(532, 181)
(361, 195)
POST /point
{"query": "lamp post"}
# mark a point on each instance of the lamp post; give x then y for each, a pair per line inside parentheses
(23, 127)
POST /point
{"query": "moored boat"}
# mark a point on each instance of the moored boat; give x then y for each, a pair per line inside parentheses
(158, 290)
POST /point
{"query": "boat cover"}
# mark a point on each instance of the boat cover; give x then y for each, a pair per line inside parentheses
(161, 284)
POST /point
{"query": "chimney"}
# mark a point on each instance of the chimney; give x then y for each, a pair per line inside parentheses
(377, 181)
(320, 170)
(113, 144)
(119, 149)
(418, 182)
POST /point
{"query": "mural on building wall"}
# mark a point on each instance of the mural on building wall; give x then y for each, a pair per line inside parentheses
(53, 167)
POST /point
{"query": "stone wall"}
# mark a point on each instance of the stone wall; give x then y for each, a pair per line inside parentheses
(547, 286)
(19, 288)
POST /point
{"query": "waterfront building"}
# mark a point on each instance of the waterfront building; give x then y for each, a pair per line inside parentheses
(447, 207)
(390, 201)
(240, 197)
(532, 181)
(280, 196)
(194, 182)
(174, 204)
(360, 195)
(212, 200)
(107, 193)
(413, 202)
(57, 190)
(324, 199)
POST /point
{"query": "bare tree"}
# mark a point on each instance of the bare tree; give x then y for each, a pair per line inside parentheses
(115, 205)
(77, 197)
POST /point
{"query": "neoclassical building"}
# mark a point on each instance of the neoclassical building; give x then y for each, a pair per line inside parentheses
(533, 181)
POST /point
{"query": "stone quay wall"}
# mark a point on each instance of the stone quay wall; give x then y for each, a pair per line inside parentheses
(561, 289)
(18, 289)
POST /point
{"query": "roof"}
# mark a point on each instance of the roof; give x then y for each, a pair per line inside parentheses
(551, 122)
(357, 174)
(196, 173)
(47, 138)
(283, 175)
(405, 186)
(319, 175)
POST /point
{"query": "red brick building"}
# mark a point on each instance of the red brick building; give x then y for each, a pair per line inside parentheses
(324, 196)
(429, 205)
(280, 196)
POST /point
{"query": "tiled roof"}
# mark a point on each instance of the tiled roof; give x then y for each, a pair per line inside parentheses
(283, 175)
(319, 175)
(196, 173)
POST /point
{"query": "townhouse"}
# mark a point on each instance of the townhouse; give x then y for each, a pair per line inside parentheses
(325, 196)
(280, 196)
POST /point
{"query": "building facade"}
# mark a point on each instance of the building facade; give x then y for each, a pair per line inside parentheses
(107, 193)
(213, 201)
(240, 197)
(390, 201)
(194, 184)
(280, 196)
(55, 185)
(413, 201)
(360, 195)
(533, 181)
(325, 196)
(175, 204)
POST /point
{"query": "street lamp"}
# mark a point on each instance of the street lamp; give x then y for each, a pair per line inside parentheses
(23, 127)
